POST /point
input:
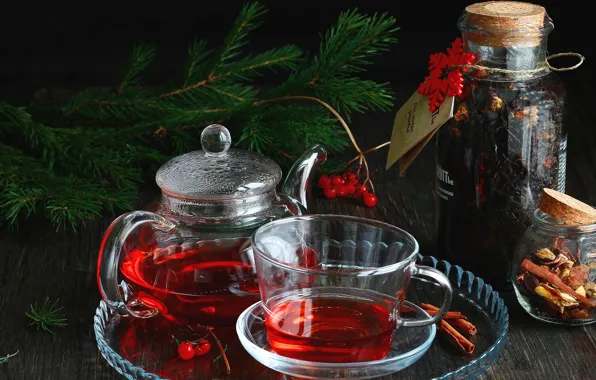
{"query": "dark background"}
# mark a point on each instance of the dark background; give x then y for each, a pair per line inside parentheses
(84, 43)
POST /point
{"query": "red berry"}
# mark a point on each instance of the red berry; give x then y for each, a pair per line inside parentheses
(354, 181)
(203, 347)
(350, 176)
(341, 191)
(358, 190)
(186, 351)
(350, 189)
(370, 200)
(337, 181)
(364, 189)
(324, 182)
(330, 192)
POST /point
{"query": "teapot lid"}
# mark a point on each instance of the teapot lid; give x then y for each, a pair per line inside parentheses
(218, 172)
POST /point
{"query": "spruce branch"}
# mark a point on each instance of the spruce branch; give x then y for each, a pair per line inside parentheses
(27, 186)
(357, 95)
(246, 68)
(17, 122)
(348, 46)
(247, 20)
(197, 52)
(347, 49)
(141, 57)
(71, 160)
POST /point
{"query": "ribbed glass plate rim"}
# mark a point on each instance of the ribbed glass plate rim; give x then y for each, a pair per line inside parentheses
(121, 365)
(474, 287)
(461, 280)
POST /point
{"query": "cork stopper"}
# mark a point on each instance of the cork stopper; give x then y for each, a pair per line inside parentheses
(565, 208)
(506, 23)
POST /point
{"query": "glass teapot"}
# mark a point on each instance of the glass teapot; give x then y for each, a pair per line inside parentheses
(190, 261)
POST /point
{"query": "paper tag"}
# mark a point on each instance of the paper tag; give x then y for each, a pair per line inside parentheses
(414, 127)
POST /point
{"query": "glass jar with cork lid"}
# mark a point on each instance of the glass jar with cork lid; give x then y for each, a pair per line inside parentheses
(506, 141)
(554, 263)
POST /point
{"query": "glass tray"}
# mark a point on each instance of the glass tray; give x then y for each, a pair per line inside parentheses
(144, 349)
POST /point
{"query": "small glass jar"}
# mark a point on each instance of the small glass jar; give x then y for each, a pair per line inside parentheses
(554, 271)
(505, 143)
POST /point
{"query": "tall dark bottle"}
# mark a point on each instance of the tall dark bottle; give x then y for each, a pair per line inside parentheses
(505, 142)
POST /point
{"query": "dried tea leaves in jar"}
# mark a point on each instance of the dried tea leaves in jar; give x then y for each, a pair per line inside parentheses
(558, 280)
(505, 143)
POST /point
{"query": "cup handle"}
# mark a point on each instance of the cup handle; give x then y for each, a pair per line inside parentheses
(108, 263)
(439, 277)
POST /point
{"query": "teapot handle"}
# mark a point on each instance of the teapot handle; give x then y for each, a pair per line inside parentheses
(297, 182)
(109, 261)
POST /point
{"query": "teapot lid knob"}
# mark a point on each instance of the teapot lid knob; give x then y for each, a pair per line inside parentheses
(216, 140)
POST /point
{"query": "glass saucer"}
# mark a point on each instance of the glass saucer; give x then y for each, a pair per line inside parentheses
(409, 345)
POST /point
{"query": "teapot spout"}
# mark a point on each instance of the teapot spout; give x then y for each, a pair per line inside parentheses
(298, 180)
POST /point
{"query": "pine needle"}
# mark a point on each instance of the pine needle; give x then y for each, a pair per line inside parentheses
(4, 359)
(46, 316)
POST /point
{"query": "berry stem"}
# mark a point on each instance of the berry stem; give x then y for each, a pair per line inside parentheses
(363, 163)
(372, 187)
(377, 147)
(221, 349)
(331, 109)
(217, 358)
(360, 157)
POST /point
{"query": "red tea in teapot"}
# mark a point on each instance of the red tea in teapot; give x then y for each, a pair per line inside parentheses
(207, 282)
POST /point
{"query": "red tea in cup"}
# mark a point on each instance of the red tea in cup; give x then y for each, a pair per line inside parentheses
(331, 286)
(338, 327)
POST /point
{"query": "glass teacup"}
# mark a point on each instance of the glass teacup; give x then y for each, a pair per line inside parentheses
(332, 286)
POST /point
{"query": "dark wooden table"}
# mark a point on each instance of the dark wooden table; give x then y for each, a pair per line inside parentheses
(37, 261)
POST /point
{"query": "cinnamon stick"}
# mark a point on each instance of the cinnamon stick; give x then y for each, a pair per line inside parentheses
(427, 306)
(458, 320)
(464, 344)
(460, 323)
(433, 310)
(449, 315)
(466, 326)
(553, 279)
(406, 309)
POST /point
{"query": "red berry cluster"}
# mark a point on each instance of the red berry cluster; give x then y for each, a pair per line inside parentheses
(346, 185)
(188, 350)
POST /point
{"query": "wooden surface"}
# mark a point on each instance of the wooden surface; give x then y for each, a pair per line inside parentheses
(37, 261)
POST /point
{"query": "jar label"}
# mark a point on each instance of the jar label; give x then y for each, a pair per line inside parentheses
(413, 128)
(444, 183)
